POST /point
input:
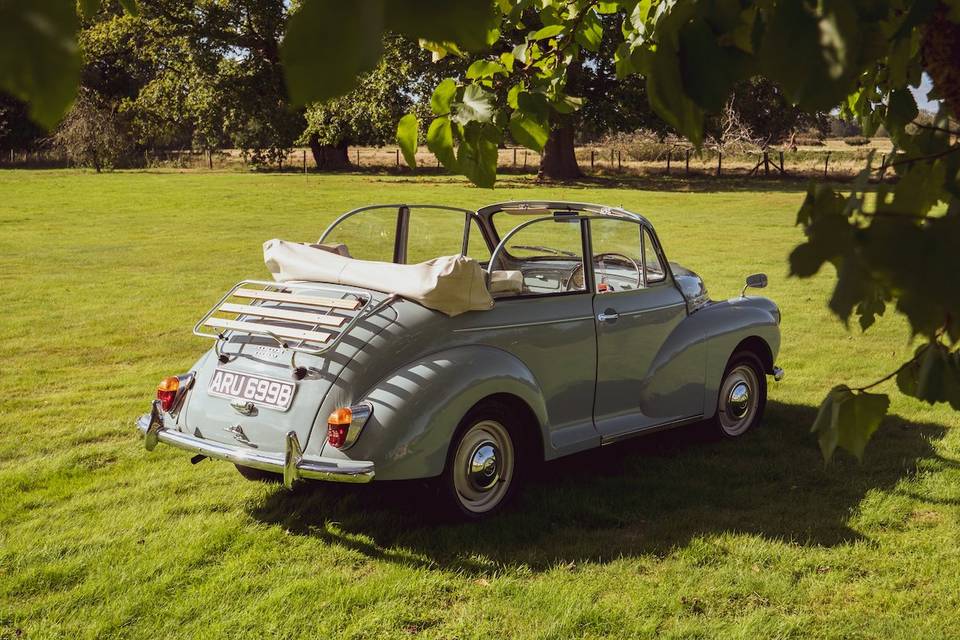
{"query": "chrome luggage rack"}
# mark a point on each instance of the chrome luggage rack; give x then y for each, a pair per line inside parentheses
(289, 313)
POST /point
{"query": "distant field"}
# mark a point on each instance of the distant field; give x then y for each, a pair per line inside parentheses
(673, 536)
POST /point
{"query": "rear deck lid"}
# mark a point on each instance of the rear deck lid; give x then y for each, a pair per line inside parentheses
(279, 348)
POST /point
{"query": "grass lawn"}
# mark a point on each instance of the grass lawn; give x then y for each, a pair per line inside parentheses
(673, 535)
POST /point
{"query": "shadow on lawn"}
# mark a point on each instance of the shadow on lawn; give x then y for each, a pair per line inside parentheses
(650, 495)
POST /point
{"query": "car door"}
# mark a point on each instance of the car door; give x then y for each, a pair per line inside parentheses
(649, 371)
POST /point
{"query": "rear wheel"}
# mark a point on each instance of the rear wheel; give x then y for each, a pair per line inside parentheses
(743, 395)
(258, 475)
(482, 467)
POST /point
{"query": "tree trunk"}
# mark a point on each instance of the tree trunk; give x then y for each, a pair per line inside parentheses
(941, 50)
(329, 156)
(559, 160)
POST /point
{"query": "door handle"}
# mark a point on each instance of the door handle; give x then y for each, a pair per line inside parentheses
(609, 315)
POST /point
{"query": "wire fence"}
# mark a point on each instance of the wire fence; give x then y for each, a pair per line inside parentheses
(597, 160)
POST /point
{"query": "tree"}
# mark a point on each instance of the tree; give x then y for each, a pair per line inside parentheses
(200, 74)
(92, 134)
(17, 131)
(368, 114)
(858, 57)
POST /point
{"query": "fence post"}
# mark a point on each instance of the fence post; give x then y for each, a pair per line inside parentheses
(514, 156)
(591, 158)
(719, 162)
(688, 162)
(304, 160)
(669, 158)
(766, 164)
(883, 166)
(398, 157)
(782, 170)
(611, 158)
(826, 164)
(524, 158)
(619, 161)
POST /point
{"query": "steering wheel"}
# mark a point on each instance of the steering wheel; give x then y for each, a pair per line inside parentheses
(577, 282)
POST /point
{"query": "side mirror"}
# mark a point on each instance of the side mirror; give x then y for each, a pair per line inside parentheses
(755, 281)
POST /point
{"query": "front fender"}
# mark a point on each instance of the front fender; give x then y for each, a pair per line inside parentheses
(728, 323)
(417, 408)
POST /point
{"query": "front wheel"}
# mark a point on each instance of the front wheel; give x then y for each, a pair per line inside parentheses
(482, 468)
(743, 395)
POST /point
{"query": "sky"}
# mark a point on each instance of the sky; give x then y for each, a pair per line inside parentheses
(920, 93)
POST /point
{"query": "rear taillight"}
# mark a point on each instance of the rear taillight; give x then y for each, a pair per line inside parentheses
(344, 424)
(167, 392)
(338, 426)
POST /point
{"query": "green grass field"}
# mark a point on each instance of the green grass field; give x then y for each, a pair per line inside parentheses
(674, 535)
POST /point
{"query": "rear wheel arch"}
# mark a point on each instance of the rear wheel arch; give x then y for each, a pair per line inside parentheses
(526, 423)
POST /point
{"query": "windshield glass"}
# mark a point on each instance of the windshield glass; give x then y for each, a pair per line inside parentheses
(371, 234)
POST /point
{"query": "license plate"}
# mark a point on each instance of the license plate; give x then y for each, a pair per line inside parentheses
(266, 392)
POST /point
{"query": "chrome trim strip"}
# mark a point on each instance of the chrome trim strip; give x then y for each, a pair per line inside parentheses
(522, 324)
(605, 440)
(291, 464)
(637, 312)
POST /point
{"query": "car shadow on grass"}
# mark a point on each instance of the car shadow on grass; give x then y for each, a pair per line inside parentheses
(650, 495)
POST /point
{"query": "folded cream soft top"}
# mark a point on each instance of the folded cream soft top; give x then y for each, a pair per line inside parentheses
(450, 284)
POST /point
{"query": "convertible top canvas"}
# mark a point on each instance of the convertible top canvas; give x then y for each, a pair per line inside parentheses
(449, 284)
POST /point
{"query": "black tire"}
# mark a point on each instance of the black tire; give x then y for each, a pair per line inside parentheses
(258, 475)
(735, 415)
(486, 451)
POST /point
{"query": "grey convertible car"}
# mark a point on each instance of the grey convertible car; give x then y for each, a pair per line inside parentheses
(422, 341)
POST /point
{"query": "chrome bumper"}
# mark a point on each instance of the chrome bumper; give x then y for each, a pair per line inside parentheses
(291, 464)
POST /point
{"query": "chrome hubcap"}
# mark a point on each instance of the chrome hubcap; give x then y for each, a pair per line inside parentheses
(483, 466)
(738, 400)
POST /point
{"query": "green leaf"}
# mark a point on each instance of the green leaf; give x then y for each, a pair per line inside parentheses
(89, 8)
(529, 130)
(39, 62)
(810, 51)
(476, 105)
(407, 130)
(549, 31)
(484, 69)
(520, 53)
(933, 376)
(567, 104)
(130, 6)
(853, 286)
(328, 43)
(466, 22)
(848, 419)
(590, 32)
(668, 98)
(440, 142)
(507, 60)
(709, 71)
(443, 96)
(477, 155)
(902, 109)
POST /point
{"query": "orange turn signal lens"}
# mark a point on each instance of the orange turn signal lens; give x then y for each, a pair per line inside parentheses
(338, 427)
(167, 391)
(342, 416)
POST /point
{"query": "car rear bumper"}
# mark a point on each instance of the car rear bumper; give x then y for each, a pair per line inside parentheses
(291, 464)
